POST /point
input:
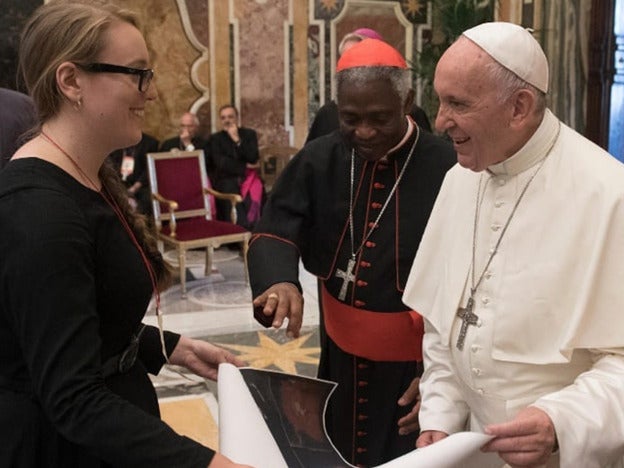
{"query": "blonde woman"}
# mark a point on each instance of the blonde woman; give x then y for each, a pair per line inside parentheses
(78, 268)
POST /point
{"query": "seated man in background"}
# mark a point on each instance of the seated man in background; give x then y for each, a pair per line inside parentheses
(326, 119)
(187, 140)
(131, 164)
(233, 167)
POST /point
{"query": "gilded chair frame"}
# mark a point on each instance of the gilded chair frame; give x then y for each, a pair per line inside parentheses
(172, 214)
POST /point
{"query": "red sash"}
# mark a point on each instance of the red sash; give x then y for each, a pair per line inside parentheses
(378, 336)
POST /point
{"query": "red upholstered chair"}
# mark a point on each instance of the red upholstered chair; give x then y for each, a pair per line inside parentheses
(183, 213)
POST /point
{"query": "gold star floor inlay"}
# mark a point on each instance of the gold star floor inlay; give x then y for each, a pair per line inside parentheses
(273, 353)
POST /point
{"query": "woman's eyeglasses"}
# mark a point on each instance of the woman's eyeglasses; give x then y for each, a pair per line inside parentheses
(145, 74)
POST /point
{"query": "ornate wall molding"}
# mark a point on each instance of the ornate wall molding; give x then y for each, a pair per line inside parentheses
(401, 23)
(196, 77)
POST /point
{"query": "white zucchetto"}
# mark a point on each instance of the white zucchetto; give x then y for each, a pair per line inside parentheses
(515, 48)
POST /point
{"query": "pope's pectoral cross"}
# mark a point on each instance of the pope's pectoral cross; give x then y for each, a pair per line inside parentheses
(468, 318)
(347, 277)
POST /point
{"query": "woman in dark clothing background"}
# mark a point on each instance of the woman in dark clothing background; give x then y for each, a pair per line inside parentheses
(78, 267)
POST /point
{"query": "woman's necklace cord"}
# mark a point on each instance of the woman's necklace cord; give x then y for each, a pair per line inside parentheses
(115, 207)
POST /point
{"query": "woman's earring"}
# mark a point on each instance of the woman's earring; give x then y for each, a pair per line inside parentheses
(78, 104)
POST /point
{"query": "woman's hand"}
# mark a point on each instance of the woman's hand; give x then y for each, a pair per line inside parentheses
(201, 357)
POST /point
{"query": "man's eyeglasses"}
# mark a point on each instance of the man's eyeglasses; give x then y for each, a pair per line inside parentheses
(145, 74)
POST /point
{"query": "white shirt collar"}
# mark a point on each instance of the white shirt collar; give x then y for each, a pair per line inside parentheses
(533, 151)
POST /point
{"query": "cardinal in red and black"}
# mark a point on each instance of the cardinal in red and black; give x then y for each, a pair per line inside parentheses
(352, 206)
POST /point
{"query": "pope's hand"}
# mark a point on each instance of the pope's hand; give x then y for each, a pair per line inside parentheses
(429, 437)
(409, 422)
(285, 300)
(528, 440)
(219, 461)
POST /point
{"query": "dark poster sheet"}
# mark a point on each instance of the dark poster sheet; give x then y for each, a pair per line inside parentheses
(270, 419)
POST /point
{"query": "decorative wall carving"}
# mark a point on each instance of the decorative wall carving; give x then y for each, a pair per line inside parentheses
(275, 59)
(400, 23)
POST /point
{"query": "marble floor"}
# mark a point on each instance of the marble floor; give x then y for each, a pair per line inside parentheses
(218, 309)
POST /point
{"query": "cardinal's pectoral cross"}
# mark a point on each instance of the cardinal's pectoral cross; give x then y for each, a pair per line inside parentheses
(347, 277)
(468, 318)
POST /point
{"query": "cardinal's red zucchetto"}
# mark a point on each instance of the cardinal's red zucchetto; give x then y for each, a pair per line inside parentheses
(371, 53)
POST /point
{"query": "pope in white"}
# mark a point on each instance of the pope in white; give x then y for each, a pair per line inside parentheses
(520, 273)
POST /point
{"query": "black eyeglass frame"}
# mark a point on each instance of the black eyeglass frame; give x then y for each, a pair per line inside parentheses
(145, 74)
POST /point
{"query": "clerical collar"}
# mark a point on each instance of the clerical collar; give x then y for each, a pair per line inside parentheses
(534, 150)
(408, 133)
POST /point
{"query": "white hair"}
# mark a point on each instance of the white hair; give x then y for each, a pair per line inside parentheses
(508, 83)
(398, 77)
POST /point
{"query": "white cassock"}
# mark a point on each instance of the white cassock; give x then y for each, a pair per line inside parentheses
(550, 331)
